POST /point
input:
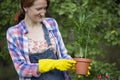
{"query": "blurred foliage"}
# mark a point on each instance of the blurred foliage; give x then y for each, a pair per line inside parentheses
(7, 10)
(75, 18)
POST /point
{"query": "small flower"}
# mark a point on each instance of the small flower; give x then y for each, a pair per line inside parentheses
(79, 76)
(99, 76)
(113, 31)
(106, 76)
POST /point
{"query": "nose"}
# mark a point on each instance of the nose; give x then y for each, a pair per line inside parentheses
(43, 12)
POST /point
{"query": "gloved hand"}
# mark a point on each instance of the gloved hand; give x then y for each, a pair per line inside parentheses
(45, 65)
(64, 64)
(89, 68)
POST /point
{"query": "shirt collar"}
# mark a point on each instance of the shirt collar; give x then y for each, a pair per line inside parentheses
(47, 23)
(23, 27)
(44, 21)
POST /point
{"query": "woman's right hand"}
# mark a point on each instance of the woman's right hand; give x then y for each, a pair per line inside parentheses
(64, 64)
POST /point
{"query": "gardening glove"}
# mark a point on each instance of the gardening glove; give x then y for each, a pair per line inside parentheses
(89, 68)
(73, 67)
(64, 64)
(45, 65)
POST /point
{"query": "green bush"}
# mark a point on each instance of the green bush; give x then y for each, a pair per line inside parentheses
(104, 25)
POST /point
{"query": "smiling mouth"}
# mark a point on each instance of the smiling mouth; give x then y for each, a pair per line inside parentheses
(40, 16)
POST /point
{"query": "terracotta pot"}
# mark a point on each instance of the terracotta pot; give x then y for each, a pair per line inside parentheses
(82, 65)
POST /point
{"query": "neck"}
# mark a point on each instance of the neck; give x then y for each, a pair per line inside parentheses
(30, 23)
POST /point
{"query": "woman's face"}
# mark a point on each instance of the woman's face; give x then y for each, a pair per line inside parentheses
(37, 11)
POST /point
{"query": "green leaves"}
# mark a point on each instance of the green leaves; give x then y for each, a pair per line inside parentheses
(85, 25)
(112, 37)
(67, 8)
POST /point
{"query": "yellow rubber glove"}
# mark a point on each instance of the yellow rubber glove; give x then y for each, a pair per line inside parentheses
(64, 64)
(73, 67)
(89, 68)
(45, 65)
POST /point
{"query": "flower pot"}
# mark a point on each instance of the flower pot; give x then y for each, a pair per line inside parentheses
(82, 65)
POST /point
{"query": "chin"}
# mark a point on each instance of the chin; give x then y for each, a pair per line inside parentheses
(38, 21)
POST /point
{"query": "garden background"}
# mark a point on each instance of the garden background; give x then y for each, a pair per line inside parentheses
(75, 17)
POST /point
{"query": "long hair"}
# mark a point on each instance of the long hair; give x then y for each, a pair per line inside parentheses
(21, 14)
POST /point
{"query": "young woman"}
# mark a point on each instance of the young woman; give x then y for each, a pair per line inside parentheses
(36, 46)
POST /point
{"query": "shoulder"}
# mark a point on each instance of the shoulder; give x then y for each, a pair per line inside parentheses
(51, 21)
(14, 29)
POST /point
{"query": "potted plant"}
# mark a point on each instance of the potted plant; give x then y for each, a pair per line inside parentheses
(85, 25)
(82, 61)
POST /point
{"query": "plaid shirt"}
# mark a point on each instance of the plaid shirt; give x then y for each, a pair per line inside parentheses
(18, 48)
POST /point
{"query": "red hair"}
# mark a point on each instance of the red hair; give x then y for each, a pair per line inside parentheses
(21, 14)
